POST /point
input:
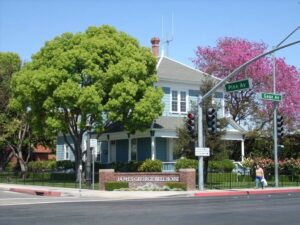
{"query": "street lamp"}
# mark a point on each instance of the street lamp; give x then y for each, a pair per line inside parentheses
(213, 90)
(275, 110)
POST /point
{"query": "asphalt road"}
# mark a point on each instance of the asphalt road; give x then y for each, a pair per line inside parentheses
(261, 209)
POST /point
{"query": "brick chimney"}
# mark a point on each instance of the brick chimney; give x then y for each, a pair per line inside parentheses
(155, 46)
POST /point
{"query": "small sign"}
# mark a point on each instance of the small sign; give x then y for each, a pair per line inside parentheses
(238, 85)
(202, 151)
(271, 96)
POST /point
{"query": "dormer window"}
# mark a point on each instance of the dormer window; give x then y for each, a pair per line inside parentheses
(179, 101)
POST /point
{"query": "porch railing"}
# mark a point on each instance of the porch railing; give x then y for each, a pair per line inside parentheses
(168, 167)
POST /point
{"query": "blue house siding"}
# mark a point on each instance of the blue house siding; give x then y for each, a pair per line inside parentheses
(166, 101)
(122, 150)
(103, 146)
(143, 149)
(193, 96)
(161, 149)
(60, 148)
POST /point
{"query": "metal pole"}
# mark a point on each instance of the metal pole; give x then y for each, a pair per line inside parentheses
(80, 170)
(88, 161)
(275, 126)
(200, 144)
(275, 137)
(93, 171)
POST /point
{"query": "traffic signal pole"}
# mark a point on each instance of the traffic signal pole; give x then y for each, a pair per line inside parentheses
(212, 91)
(275, 138)
(200, 143)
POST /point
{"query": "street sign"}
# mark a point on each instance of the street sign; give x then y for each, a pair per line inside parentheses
(201, 151)
(271, 96)
(238, 85)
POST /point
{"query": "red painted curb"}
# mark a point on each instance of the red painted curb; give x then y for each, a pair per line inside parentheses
(239, 193)
(36, 192)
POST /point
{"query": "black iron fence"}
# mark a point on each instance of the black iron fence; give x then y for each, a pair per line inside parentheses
(48, 178)
(214, 180)
(235, 180)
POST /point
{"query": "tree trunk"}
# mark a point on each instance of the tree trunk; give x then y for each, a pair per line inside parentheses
(24, 167)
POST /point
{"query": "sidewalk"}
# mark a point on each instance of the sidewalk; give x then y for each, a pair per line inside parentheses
(114, 195)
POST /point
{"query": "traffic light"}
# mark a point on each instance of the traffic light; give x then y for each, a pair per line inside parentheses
(190, 123)
(279, 126)
(211, 120)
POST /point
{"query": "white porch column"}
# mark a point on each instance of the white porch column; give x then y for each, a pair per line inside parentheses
(170, 149)
(153, 149)
(243, 149)
(129, 147)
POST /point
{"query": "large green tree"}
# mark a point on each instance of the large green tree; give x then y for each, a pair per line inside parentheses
(9, 64)
(100, 76)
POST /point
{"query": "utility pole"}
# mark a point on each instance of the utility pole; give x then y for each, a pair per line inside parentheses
(213, 90)
(88, 153)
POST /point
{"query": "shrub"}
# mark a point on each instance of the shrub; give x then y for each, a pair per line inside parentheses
(63, 177)
(176, 185)
(65, 164)
(10, 167)
(132, 166)
(221, 166)
(113, 185)
(38, 166)
(151, 166)
(185, 163)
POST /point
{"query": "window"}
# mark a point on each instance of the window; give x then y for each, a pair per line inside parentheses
(174, 101)
(179, 102)
(182, 101)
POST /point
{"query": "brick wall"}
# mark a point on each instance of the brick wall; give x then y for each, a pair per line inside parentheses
(139, 179)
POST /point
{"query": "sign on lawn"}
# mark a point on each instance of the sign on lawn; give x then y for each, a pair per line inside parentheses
(238, 85)
(270, 96)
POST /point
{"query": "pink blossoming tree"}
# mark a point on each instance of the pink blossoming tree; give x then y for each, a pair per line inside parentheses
(229, 54)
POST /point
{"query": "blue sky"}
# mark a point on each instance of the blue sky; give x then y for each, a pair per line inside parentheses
(25, 25)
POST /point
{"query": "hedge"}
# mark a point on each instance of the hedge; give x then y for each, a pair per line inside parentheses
(151, 166)
(185, 163)
(113, 185)
(176, 185)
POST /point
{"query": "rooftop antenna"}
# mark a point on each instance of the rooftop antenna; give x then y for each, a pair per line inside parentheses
(167, 40)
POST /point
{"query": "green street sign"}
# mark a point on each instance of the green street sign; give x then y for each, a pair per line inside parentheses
(238, 85)
(271, 96)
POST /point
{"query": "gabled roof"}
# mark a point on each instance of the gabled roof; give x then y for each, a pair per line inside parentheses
(171, 70)
(42, 149)
(168, 123)
(235, 125)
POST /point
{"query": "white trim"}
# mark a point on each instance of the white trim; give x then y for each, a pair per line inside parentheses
(243, 150)
(129, 148)
(153, 148)
(67, 152)
(178, 112)
(159, 62)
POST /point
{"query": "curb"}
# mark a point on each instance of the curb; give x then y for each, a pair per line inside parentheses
(246, 192)
(36, 192)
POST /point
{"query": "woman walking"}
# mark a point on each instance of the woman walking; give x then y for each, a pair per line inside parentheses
(259, 175)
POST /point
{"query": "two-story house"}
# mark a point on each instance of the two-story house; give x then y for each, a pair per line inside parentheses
(180, 84)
